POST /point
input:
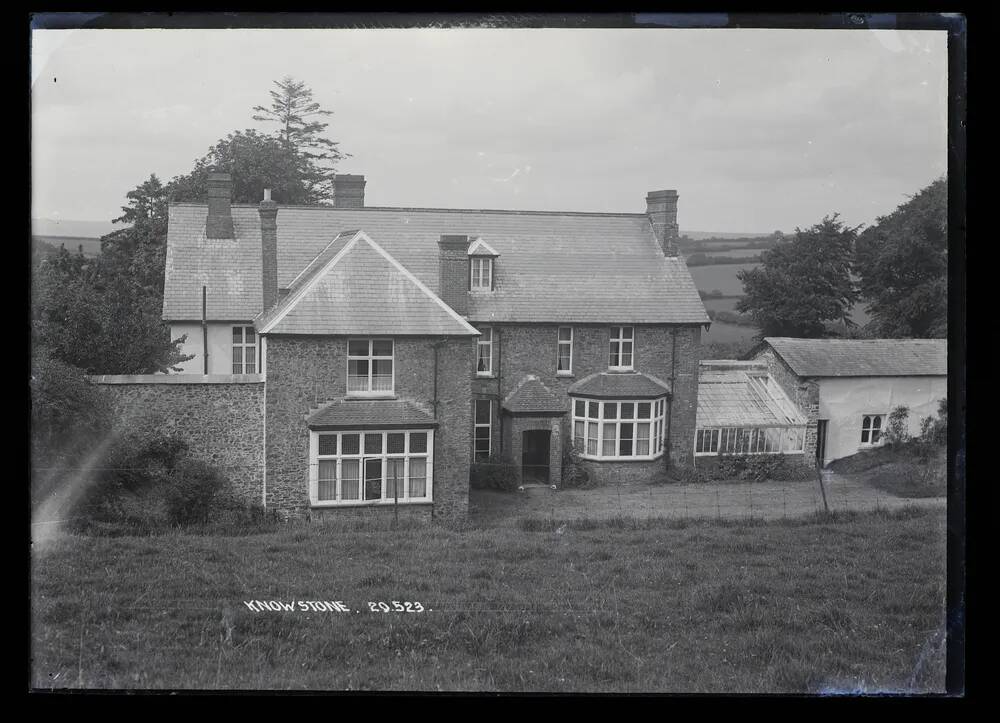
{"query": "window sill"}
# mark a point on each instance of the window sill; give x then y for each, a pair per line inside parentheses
(644, 458)
(568, 375)
(621, 369)
(370, 395)
(367, 503)
(485, 375)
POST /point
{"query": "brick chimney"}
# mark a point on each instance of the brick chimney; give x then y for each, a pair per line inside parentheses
(268, 211)
(453, 272)
(220, 213)
(348, 191)
(661, 207)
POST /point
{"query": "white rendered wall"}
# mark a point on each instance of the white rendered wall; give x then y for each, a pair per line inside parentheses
(220, 346)
(844, 401)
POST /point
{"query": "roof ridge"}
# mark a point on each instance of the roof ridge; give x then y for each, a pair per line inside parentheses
(513, 211)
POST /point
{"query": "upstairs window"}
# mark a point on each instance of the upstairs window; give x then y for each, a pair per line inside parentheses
(244, 350)
(564, 363)
(369, 366)
(484, 352)
(622, 338)
(481, 273)
(871, 429)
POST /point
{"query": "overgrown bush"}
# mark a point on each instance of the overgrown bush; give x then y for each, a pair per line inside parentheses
(897, 428)
(755, 468)
(192, 487)
(69, 417)
(494, 474)
(680, 474)
(574, 473)
(146, 483)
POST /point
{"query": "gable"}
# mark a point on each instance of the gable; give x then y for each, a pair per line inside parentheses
(357, 288)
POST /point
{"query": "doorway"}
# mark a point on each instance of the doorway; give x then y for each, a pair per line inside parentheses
(821, 441)
(535, 456)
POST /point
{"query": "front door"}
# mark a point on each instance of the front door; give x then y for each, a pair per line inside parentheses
(535, 456)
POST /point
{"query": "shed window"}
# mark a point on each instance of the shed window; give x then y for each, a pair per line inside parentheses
(871, 429)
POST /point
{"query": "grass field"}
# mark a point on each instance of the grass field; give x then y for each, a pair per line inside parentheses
(853, 604)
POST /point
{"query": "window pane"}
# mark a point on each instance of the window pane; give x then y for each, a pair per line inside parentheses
(715, 441)
(614, 361)
(382, 375)
(866, 422)
(382, 347)
(250, 334)
(418, 477)
(251, 365)
(394, 479)
(591, 437)
(373, 443)
(578, 434)
(642, 438)
(237, 335)
(327, 444)
(876, 434)
(592, 408)
(350, 444)
(482, 411)
(864, 436)
(876, 423)
(699, 441)
(373, 478)
(610, 441)
(327, 480)
(627, 332)
(418, 442)
(565, 333)
(611, 410)
(581, 408)
(238, 358)
(357, 347)
(644, 408)
(396, 443)
(563, 364)
(349, 483)
(628, 410)
(625, 444)
(626, 354)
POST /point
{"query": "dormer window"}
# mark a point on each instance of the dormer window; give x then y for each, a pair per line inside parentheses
(481, 278)
(481, 261)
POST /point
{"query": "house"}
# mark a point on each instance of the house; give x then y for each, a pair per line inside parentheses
(377, 353)
(742, 409)
(847, 388)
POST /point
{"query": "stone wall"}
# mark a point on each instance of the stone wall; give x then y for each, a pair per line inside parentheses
(305, 372)
(521, 349)
(616, 473)
(221, 417)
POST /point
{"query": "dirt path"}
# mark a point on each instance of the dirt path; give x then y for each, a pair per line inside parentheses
(766, 500)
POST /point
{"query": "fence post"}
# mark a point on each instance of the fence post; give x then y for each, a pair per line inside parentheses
(822, 487)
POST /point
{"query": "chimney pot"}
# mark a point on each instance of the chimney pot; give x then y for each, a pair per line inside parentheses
(661, 207)
(219, 223)
(348, 191)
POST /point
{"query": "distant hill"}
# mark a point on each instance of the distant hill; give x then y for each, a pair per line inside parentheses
(47, 244)
(71, 227)
(699, 235)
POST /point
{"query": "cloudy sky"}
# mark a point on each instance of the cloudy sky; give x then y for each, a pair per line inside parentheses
(757, 129)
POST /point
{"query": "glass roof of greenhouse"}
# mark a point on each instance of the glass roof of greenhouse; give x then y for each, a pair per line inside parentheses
(742, 394)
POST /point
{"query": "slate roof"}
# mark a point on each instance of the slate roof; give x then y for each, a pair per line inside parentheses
(620, 385)
(742, 395)
(370, 412)
(863, 357)
(354, 287)
(530, 395)
(553, 266)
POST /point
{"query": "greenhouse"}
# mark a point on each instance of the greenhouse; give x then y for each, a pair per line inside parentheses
(743, 410)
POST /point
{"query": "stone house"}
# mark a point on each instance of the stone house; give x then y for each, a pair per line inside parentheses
(846, 388)
(375, 354)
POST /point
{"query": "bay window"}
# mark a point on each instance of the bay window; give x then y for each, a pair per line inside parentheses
(620, 429)
(370, 367)
(371, 467)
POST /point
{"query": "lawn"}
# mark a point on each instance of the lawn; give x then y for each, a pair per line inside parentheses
(853, 603)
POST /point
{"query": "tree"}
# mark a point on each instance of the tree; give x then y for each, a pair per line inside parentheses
(301, 131)
(902, 264)
(803, 282)
(255, 161)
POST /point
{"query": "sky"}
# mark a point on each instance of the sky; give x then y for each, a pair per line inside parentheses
(757, 130)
